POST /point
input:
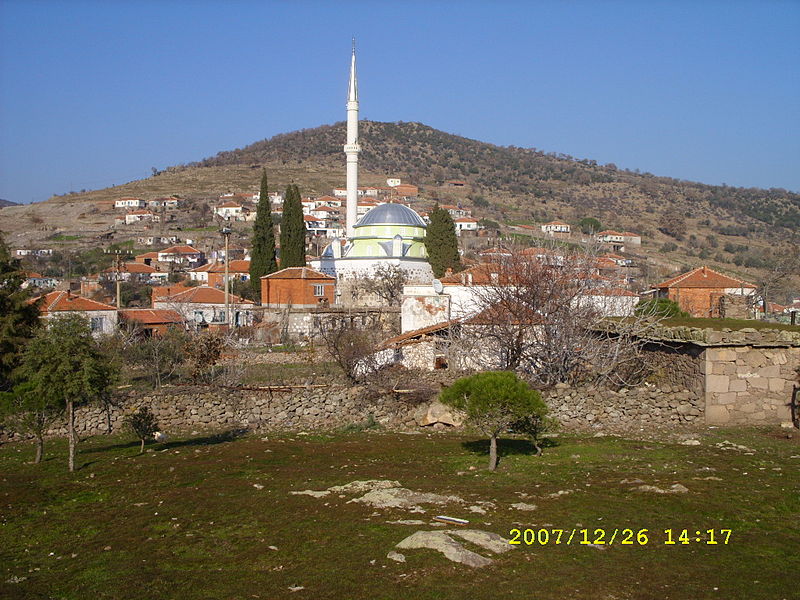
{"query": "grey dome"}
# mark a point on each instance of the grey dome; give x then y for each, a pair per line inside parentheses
(391, 214)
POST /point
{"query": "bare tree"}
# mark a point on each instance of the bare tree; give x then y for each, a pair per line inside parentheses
(353, 341)
(545, 315)
(385, 281)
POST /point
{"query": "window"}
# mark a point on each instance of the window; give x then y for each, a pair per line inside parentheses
(319, 290)
(96, 324)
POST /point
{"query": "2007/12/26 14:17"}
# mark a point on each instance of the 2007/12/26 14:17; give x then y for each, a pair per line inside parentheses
(625, 537)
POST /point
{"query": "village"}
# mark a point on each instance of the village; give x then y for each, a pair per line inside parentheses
(383, 391)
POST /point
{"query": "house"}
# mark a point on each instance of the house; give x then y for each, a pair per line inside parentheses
(328, 201)
(150, 321)
(465, 224)
(20, 252)
(37, 280)
(406, 190)
(130, 202)
(150, 240)
(181, 255)
(102, 317)
(137, 216)
(631, 239)
(456, 212)
(393, 182)
(615, 239)
(455, 183)
(704, 292)
(135, 271)
(326, 212)
(205, 306)
(557, 229)
(297, 287)
(213, 274)
(230, 211)
(313, 224)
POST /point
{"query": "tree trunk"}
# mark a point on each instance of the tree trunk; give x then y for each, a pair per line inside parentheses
(493, 452)
(108, 418)
(71, 434)
(39, 449)
(141, 448)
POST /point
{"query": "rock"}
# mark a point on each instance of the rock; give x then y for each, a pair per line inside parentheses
(523, 506)
(258, 486)
(690, 443)
(673, 489)
(441, 542)
(406, 522)
(312, 493)
(359, 487)
(396, 556)
(476, 509)
(440, 413)
(485, 539)
(403, 498)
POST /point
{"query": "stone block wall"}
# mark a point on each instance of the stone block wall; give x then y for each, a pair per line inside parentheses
(645, 406)
(747, 384)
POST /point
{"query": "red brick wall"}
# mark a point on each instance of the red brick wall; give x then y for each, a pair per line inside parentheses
(295, 292)
(698, 302)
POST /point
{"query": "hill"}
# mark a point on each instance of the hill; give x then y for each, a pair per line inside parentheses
(4, 203)
(682, 223)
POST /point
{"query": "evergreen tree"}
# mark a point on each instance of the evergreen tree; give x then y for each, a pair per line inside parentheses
(293, 230)
(262, 260)
(18, 317)
(441, 243)
(63, 364)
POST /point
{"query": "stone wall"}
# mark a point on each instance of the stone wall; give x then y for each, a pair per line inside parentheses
(645, 406)
(747, 384)
(191, 408)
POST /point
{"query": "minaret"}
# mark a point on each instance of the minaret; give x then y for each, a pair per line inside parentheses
(351, 148)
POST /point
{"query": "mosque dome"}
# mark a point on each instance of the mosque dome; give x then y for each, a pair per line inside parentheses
(391, 214)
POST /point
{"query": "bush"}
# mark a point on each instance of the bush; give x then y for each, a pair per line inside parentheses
(143, 424)
(659, 307)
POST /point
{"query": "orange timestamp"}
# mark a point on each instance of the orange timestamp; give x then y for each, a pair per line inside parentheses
(622, 537)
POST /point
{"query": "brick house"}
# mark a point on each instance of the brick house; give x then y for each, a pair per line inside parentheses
(703, 292)
(297, 287)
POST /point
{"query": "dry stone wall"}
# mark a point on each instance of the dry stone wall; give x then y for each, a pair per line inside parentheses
(645, 406)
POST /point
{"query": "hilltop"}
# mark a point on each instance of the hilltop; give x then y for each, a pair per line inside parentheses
(682, 223)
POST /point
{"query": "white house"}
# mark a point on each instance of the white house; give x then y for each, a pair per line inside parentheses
(230, 211)
(130, 203)
(204, 306)
(554, 228)
(137, 216)
(393, 182)
(102, 317)
(465, 224)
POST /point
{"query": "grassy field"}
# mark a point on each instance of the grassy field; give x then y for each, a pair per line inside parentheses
(209, 517)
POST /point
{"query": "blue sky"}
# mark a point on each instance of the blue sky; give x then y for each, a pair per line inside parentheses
(96, 93)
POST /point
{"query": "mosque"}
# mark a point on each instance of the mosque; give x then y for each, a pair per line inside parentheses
(389, 234)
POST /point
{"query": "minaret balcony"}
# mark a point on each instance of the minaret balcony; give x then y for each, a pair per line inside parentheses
(350, 148)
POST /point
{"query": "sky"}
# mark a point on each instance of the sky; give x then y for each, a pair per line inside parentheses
(94, 94)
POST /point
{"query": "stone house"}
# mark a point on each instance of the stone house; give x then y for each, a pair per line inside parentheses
(704, 292)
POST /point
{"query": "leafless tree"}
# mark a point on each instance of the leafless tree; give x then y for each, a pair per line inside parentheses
(353, 340)
(545, 318)
(385, 281)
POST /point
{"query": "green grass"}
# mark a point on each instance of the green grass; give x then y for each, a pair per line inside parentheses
(211, 228)
(185, 521)
(60, 237)
(733, 324)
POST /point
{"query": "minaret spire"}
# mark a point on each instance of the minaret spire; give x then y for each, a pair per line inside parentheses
(351, 147)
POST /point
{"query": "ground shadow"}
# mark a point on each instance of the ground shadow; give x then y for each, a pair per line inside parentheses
(206, 440)
(508, 446)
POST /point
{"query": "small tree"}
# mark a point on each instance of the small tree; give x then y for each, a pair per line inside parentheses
(659, 307)
(142, 423)
(25, 411)
(161, 355)
(385, 281)
(63, 363)
(493, 401)
(589, 225)
(204, 351)
(352, 346)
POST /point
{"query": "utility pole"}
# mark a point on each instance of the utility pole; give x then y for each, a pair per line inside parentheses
(118, 254)
(226, 233)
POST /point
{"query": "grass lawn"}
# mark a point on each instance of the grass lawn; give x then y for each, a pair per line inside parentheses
(186, 520)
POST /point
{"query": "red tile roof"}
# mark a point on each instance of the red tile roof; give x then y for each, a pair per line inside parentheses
(151, 316)
(466, 220)
(703, 277)
(230, 204)
(179, 250)
(236, 266)
(202, 294)
(132, 267)
(298, 273)
(167, 290)
(66, 301)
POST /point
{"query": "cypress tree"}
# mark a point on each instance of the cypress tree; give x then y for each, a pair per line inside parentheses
(262, 260)
(441, 243)
(293, 230)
